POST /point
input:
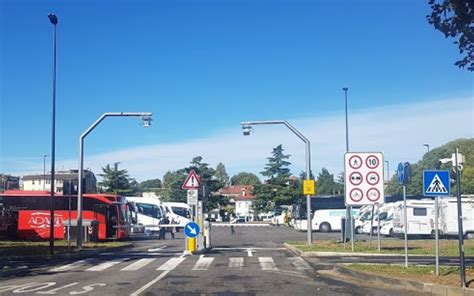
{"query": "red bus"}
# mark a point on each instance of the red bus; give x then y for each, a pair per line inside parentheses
(26, 214)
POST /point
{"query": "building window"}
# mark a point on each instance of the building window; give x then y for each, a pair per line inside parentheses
(419, 212)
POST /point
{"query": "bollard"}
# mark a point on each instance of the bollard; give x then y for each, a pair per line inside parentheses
(191, 244)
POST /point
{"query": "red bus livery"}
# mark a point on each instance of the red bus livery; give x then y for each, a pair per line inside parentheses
(26, 215)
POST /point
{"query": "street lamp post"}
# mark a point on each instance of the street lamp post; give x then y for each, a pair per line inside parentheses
(348, 209)
(44, 172)
(146, 118)
(54, 20)
(428, 147)
(247, 128)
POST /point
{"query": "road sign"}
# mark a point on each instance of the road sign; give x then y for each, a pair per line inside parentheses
(192, 181)
(192, 197)
(309, 187)
(436, 183)
(404, 173)
(191, 229)
(363, 178)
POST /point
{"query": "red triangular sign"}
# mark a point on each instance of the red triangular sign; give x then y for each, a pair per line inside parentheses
(192, 181)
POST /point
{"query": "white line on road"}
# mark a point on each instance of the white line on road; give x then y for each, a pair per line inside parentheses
(157, 249)
(236, 263)
(106, 264)
(299, 263)
(70, 266)
(245, 249)
(240, 224)
(203, 263)
(139, 264)
(171, 264)
(155, 280)
(267, 263)
(249, 253)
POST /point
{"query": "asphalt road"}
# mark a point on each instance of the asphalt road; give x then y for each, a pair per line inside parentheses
(250, 262)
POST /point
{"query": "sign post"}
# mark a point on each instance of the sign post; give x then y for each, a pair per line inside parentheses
(363, 173)
(404, 177)
(192, 184)
(436, 183)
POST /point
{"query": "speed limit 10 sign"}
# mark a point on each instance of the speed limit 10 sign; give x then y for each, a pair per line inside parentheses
(363, 177)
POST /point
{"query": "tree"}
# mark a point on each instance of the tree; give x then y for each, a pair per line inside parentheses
(221, 174)
(115, 180)
(325, 184)
(244, 178)
(150, 184)
(277, 167)
(173, 181)
(455, 19)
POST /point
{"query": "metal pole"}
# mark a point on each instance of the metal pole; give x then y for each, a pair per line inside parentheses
(81, 165)
(69, 227)
(348, 209)
(378, 232)
(54, 21)
(44, 172)
(460, 226)
(405, 221)
(352, 229)
(436, 233)
(371, 226)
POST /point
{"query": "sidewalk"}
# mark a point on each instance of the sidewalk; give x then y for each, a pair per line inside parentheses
(339, 270)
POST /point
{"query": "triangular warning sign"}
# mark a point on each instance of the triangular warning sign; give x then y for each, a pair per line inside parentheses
(436, 186)
(192, 181)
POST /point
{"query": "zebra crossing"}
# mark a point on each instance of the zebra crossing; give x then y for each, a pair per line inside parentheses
(203, 263)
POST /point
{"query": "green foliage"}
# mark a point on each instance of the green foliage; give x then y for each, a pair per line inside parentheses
(244, 178)
(221, 174)
(116, 181)
(149, 185)
(325, 184)
(455, 19)
(280, 189)
(173, 180)
(277, 167)
(430, 161)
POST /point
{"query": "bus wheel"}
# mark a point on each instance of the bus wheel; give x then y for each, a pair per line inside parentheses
(358, 230)
(469, 235)
(325, 227)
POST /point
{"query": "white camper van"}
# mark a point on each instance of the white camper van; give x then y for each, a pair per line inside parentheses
(420, 218)
(148, 213)
(448, 221)
(178, 213)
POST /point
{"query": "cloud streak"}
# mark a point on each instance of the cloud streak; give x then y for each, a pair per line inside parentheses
(398, 130)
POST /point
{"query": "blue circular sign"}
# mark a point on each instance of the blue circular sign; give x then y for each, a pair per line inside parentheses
(191, 229)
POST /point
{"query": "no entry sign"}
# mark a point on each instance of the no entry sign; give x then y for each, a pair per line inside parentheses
(363, 178)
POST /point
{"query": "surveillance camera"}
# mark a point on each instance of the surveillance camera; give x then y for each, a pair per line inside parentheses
(246, 130)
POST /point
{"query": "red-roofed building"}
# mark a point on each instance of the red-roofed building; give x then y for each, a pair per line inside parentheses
(241, 196)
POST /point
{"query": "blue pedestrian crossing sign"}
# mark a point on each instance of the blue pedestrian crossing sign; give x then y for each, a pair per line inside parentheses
(191, 229)
(436, 183)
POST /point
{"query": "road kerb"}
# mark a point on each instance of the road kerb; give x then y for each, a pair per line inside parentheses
(335, 254)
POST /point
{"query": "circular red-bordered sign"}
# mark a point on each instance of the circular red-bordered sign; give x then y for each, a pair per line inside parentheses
(372, 161)
(355, 162)
(373, 194)
(356, 195)
(355, 178)
(372, 178)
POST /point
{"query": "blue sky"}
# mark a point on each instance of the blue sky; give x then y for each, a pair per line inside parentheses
(203, 66)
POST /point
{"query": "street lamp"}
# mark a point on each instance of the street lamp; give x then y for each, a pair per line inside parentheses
(44, 171)
(146, 121)
(54, 20)
(247, 129)
(427, 146)
(348, 209)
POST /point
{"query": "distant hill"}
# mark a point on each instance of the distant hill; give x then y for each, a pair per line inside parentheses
(431, 161)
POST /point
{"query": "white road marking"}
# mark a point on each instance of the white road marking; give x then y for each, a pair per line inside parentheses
(249, 253)
(106, 264)
(70, 266)
(299, 263)
(157, 249)
(171, 264)
(267, 263)
(248, 248)
(240, 224)
(157, 279)
(203, 263)
(53, 291)
(138, 264)
(236, 263)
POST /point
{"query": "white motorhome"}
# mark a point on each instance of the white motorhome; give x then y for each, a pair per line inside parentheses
(365, 213)
(448, 216)
(420, 218)
(384, 214)
(178, 213)
(148, 213)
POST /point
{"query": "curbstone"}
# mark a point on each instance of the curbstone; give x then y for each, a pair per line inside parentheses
(13, 271)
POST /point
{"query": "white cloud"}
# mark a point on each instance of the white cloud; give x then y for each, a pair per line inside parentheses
(398, 130)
